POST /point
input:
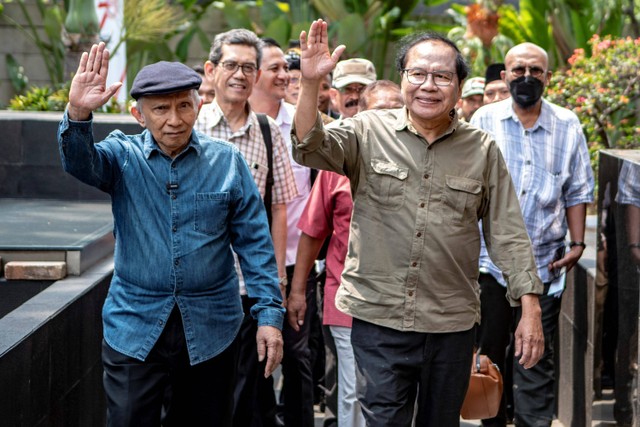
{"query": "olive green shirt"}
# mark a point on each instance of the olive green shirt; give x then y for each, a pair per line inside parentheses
(412, 261)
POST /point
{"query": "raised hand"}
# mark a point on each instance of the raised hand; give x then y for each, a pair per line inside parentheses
(88, 88)
(316, 61)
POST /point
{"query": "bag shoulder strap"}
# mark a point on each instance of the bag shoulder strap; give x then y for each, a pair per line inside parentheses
(263, 120)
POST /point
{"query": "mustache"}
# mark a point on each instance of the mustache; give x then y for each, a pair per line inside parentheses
(352, 103)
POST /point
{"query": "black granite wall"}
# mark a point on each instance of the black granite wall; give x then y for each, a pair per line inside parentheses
(53, 375)
(30, 162)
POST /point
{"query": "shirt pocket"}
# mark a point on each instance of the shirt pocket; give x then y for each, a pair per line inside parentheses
(386, 184)
(461, 199)
(546, 188)
(211, 212)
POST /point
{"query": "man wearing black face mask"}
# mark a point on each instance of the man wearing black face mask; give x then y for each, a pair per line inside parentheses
(546, 154)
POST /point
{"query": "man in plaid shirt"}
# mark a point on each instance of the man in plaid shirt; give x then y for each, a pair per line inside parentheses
(234, 68)
(546, 153)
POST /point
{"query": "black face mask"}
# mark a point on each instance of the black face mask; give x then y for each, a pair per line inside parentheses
(526, 91)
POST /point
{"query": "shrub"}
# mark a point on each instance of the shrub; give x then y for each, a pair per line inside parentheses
(603, 89)
(45, 98)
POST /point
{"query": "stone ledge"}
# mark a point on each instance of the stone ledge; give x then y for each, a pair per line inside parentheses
(35, 270)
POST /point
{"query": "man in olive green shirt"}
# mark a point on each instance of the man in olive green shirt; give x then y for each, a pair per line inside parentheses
(421, 181)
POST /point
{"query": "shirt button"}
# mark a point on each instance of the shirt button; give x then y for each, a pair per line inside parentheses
(523, 192)
(410, 293)
(528, 162)
(173, 196)
(413, 264)
(419, 234)
(173, 165)
(176, 262)
(422, 205)
(174, 228)
(426, 176)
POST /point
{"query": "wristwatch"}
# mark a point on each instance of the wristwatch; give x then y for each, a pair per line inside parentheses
(283, 281)
(572, 244)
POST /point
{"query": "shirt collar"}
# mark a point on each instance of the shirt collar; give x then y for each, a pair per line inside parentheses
(545, 120)
(213, 115)
(403, 123)
(285, 114)
(150, 145)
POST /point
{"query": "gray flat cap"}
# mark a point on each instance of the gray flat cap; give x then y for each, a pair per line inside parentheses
(164, 77)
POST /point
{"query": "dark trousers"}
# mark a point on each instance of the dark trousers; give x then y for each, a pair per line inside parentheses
(395, 370)
(198, 395)
(254, 401)
(330, 378)
(533, 388)
(297, 383)
(493, 335)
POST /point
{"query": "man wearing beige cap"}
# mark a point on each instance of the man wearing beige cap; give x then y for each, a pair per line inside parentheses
(471, 99)
(349, 79)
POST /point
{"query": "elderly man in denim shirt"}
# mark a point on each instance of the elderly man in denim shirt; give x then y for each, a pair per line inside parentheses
(180, 202)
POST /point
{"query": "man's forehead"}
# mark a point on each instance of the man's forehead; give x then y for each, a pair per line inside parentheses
(496, 84)
(354, 86)
(430, 50)
(232, 50)
(526, 54)
(273, 54)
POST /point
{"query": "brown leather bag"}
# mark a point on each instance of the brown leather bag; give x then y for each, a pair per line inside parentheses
(485, 390)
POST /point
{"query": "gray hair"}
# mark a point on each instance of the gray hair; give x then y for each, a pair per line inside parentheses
(238, 36)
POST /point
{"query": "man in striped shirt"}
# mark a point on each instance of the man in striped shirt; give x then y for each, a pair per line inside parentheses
(547, 156)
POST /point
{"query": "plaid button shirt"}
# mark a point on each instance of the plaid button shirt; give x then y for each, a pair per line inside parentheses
(550, 168)
(629, 184)
(250, 142)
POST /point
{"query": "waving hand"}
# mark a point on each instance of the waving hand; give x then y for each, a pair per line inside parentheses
(315, 60)
(88, 88)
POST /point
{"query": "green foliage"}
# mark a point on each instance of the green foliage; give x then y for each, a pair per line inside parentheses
(46, 98)
(477, 53)
(603, 89)
(42, 98)
(148, 27)
(49, 42)
(18, 78)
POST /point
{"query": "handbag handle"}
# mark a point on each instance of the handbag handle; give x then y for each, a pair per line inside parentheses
(478, 364)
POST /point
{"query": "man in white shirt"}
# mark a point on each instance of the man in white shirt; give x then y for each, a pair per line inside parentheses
(268, 97)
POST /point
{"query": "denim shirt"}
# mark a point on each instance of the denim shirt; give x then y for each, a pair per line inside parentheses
(175, 222)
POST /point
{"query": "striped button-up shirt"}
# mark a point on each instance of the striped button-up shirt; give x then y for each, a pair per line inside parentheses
(629, 184)
(550, 168)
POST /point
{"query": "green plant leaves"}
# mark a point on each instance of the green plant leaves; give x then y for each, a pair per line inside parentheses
(280, 30)
(352, 33)
(16, 73)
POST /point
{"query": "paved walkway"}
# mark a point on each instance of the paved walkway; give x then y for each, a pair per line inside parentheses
(602, 414)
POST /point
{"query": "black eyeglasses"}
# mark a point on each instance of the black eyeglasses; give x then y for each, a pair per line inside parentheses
(520, 71)
(417, 76)
(248, 69)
